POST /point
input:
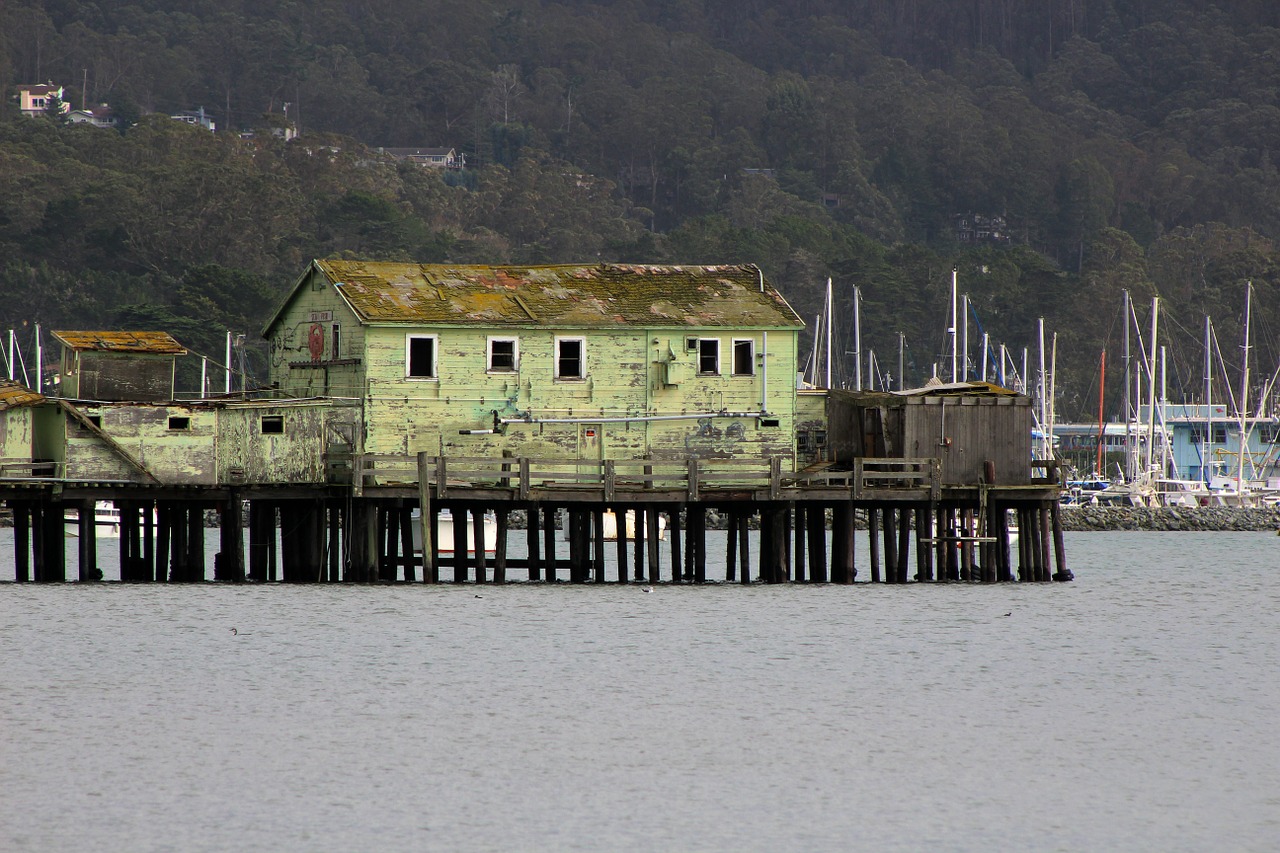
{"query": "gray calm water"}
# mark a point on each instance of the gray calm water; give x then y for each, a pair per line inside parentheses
(1135, 709)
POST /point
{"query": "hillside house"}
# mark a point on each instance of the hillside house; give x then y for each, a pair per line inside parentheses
(34, 99)
(589, 362)
(99, 116)
(435, 158)
(198, 118)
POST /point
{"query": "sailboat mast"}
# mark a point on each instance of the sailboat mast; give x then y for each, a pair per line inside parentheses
(1206, 443)
(1128, 396)
(857, 339)
(985, 349)
(955, 364)
(1042, 388)
(1244, 388)
(830, 317)
(1151, 383)
(902, 360)
(1102, 384)
(964, 355)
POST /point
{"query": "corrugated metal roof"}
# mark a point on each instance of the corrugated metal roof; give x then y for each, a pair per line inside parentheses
(151, 343)
(593, 295)
(14, 395)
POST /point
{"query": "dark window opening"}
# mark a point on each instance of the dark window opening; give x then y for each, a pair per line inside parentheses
(337, 340)
(422, 358)
(273, 424)
(744, 358)
(708, 355)
(502, 355)
(179, 423)
(569, 360)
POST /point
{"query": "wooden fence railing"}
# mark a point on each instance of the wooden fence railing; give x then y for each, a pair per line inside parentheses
(611, 476)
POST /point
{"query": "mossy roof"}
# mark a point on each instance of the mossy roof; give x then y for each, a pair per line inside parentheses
(582, 295)
(14, 395)
(148, 343)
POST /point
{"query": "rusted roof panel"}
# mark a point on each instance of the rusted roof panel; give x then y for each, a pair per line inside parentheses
(593, 295)
(150, 343)
(14, 395)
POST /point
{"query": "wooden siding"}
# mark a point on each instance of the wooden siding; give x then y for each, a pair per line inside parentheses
(16, 439)
(297, 454)
(965, 432)
(118, 377)
(627, 376)
(292, 369)
(183, 456)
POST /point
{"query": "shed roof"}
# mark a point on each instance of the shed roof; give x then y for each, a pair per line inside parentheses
(574, 295)
(14, 395)
(148, 343)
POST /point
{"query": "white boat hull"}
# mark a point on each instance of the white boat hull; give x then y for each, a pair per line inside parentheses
(445, 544)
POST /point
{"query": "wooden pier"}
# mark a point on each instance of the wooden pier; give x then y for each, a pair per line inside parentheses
(362, 532)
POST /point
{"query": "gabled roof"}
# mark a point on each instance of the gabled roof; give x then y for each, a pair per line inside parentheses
(149, 343)
(14, 395)
(567, 296)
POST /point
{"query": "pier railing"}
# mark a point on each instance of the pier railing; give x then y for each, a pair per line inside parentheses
(695, 478)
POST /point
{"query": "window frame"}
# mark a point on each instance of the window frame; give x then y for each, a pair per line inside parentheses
(434, 375)
(702, 342)
(515, 354)
(581, 341)
(751, 356)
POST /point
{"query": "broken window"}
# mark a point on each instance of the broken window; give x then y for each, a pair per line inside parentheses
(420, 357)
(503, 355)
(570, 358)
(744, 357)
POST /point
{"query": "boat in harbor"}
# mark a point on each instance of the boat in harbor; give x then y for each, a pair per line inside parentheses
(610, 525)
(445, 544)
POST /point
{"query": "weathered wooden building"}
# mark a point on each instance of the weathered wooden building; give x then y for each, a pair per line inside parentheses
(974, 429)
(466, 391)
(590, 362)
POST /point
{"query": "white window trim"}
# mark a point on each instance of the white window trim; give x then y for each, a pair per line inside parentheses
(515, 354)
(435, 358)
(582, 358)
(751, 363)
(719, 371)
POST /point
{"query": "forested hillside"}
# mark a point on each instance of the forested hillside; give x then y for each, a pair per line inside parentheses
(1126, 144)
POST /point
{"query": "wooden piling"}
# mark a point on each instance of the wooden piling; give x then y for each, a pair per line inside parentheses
(673, 533)
(698, 540)
(477, 534)
(817, 524)
(500, 553)
(652, 533)
(731, 547)
(890, 544)
(620, 542)
(744, 550)
(21, 541)
(1062, 573)
(638, 545)
(904, 542)
(873, 541)
(549, 542)
(532, 539)
(87, 528)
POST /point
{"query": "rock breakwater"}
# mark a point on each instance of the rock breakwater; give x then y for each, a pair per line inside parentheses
(1170, 518)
